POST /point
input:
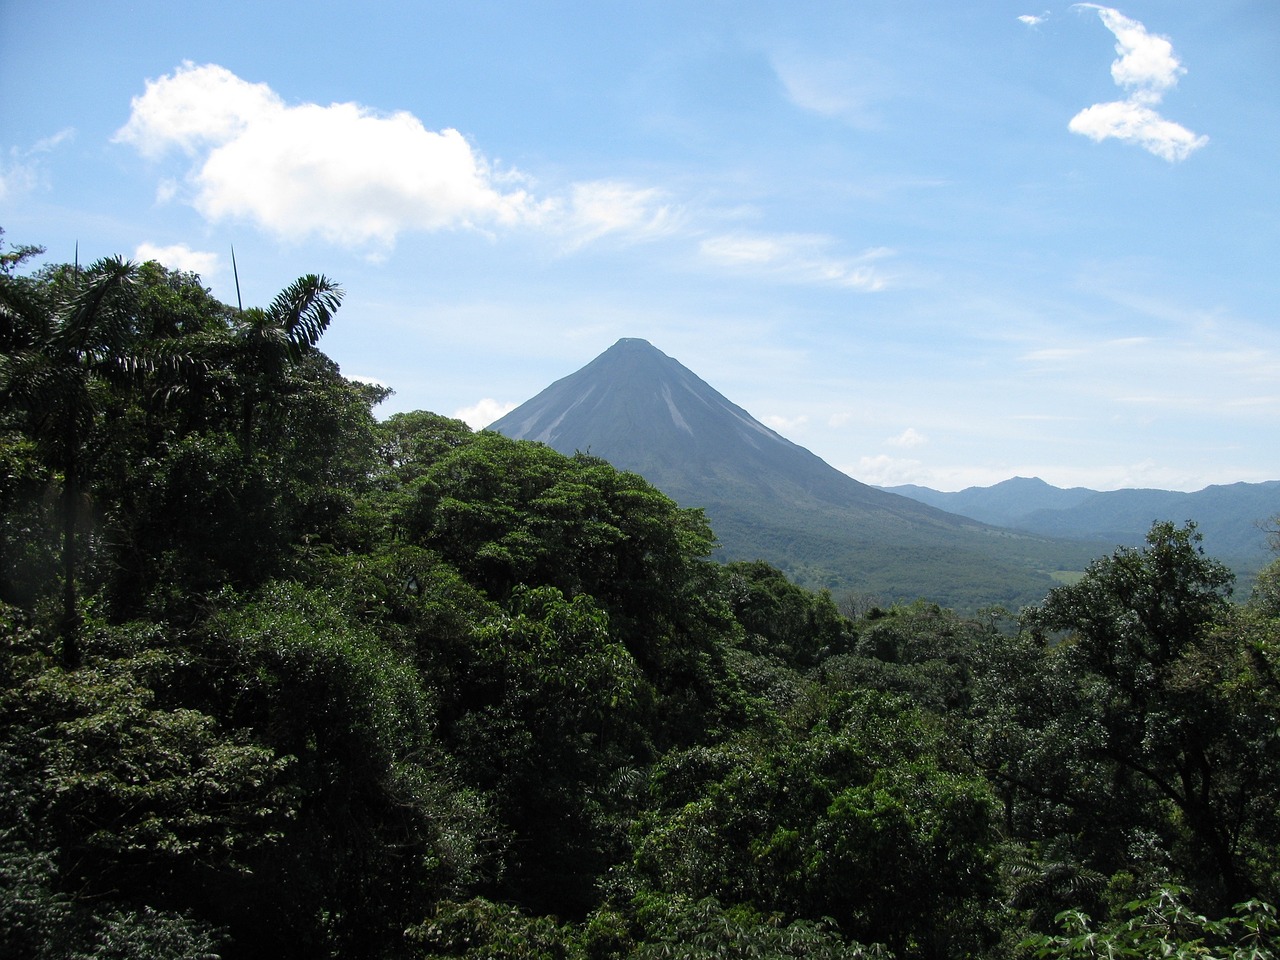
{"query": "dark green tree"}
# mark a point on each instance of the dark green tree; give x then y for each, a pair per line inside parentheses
(552, 712)
(868, 819)
(1117, 719)
(798, 626)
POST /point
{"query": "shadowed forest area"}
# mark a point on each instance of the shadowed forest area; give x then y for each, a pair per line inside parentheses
(279, 679)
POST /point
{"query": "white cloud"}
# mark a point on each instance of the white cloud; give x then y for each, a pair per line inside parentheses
(1137, 123)
(194, 108)
(784, 424)
(342, 172)
(23, 170)
(1147, 68)
(48, 144)
(796, 258)
(17, 177)
(843, 88)
(886, 471)
(1147, 64)
(483, 413)
(601, 207)
(1031, 20)
(352, 175)
(178, 257)
(910, 437)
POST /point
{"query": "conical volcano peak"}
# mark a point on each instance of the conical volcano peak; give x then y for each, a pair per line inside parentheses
(637, 407)
(767, 497)
(633, 350)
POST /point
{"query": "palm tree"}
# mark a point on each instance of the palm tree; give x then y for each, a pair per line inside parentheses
(65, 359)
(267, 342)
(58, 359)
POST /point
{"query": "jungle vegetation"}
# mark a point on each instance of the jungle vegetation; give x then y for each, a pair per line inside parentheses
(281, 679)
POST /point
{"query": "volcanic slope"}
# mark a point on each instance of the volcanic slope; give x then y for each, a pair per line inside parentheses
(770, 499)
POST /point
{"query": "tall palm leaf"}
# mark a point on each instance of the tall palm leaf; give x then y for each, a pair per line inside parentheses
(304, 310)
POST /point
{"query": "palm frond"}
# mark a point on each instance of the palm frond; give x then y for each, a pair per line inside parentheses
(305, 308)
(82, 323)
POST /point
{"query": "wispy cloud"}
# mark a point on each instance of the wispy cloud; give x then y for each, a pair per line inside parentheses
(844, 89)
(1147, 69)
(1032, 20)
(22, 171)
(797, 258)
(1053, 354)
(609, 207)
(178, 256)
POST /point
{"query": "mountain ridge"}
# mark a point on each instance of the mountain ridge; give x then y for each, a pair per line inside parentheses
(1230, 516)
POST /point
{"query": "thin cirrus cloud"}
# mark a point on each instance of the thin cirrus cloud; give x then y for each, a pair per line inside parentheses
(797, 258)
(1147, 68)
(349, 174)
(609, 207)
(844, 89)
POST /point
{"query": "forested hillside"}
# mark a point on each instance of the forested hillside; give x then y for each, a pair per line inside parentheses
(280, 680)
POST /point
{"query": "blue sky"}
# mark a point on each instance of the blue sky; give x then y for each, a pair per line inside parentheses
(934, 242)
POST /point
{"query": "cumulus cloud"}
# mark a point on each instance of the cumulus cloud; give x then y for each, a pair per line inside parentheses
(343, 172)
(178, 257)
(1147, 69)
(353, 175)
(483, 413)
(797, 258)
(1031, 20)
(910, 437)
(1147, 64)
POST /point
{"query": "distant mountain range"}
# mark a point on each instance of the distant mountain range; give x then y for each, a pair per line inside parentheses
(770, 499)
(1230, 516)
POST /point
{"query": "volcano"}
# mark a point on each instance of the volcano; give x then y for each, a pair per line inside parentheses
(768, 498)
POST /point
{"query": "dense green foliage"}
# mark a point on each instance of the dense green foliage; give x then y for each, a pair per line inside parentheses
(280, 680)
